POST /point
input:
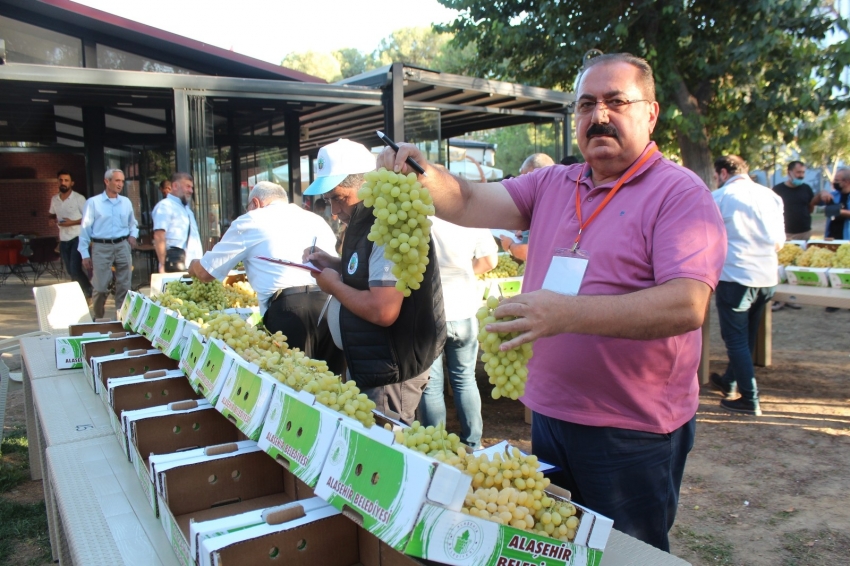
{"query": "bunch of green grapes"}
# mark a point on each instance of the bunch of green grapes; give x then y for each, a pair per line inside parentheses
(188, 309)
(816, 256)
(508, 371)
(520, 272)
(506, 267)
(240, 294)
(434, 441)
(254, 344)
(842, 257)
(302, 373)
(510, 490)
(401, 206)
(789, 253)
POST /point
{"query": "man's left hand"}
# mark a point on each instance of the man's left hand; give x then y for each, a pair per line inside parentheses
(132, 241)
(535, 317)
(327, 279)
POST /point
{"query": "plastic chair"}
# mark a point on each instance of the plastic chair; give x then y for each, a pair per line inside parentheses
(11, 258)
(60, 305)
(4, 393)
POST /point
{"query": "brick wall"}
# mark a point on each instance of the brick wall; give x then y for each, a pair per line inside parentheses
(27, 183)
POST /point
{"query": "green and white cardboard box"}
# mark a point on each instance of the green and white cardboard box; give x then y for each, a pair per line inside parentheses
(127, 306)
(97, 362)
(809, 276)
(136, 324)
(455, 538)
(168, 333)
(199, 532)
(298, 432)
(386, 483)
(208, 376)
(169, 524)
(134, 312)
(191, 353)
(245, 396)
(148, 324)
(128, 419)
(69, 349)
(839, 277)
(107, 393)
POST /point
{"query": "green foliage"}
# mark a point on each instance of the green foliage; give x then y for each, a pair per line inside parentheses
(515, 143)
(735, 74)
(825, 141)
(322, 65)
(14, 459)
(23, 524)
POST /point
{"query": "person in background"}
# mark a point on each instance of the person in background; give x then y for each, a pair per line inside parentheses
(174, 226)
(289, 300)
(755, 231)
(838, 210)
(616, 324)
(110, 229)
(799, 201)
(462, 253)
(165, 187)
(389, 340)
(519, 250)
(66, 208)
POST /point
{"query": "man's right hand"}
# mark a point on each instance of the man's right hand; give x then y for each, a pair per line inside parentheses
(393, 161)
(87, 263)
(320, 258)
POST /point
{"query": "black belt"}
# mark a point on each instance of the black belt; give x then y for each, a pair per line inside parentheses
(109, 240)
(294, 291)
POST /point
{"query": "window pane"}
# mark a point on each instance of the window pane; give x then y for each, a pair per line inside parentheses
(117, 59)
(26, 43)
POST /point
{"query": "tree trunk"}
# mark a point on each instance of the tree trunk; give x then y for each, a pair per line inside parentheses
(692, 135)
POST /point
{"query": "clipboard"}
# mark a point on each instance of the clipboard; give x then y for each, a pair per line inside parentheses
(305, 266)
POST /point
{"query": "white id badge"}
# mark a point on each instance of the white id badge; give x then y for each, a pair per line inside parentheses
(566, 271)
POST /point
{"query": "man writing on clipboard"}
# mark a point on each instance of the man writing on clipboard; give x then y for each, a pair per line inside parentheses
(290, 301)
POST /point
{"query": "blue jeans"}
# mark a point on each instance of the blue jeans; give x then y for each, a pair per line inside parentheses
(73, 262)
(629, 476)
(740, 309)
(461, 351)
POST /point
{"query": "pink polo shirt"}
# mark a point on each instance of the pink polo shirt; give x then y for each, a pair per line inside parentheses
(661, 225)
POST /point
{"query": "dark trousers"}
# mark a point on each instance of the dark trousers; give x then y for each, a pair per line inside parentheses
(297, 317)
(73, 262)
(629, 476)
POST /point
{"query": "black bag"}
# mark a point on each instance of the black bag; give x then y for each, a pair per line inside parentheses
(832, 210)
(175, 258)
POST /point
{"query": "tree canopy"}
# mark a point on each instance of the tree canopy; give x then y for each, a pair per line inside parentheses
(730, 75)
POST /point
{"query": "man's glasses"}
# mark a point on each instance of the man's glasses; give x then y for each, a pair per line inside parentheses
(617, 105)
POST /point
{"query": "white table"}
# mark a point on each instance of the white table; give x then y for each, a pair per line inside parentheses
(66, 411)
(102, 515)
(38, 361)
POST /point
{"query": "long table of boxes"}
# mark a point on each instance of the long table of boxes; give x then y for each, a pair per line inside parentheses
(99, 512)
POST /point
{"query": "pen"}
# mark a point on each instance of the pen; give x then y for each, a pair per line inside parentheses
(390, 143)
(313, 247)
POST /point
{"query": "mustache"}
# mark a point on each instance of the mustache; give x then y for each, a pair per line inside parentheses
(602, 130)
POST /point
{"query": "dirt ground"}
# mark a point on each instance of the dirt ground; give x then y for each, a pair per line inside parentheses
(767, 491)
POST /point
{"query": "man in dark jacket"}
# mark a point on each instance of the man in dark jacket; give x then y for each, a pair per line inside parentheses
(389, 340)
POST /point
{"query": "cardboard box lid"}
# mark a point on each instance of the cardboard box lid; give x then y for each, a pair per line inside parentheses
(175, 431)
(99, 327)
(133, 393)
(114, 345)
(126, 365)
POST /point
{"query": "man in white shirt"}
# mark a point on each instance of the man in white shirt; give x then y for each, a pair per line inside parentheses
(755, 229)
(462, 253)
(174, 226)
(110, 228)
(66, 208)
(290, 301)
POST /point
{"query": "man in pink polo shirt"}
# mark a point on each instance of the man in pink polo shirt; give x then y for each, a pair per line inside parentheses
(615, 293)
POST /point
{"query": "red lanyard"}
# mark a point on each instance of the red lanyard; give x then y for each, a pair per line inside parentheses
(620, 182)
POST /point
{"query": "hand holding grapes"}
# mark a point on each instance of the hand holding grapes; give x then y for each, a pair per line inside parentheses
(535, 317)
(393, 161)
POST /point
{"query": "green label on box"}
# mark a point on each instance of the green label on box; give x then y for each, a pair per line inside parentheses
(149, 323)
(840, 279)
(135, 310)
(807, 278)
(191, 354)
(244, 396)
(455, 538)
(125, 306)
(293, 431)
(169, 332)
(210, 371)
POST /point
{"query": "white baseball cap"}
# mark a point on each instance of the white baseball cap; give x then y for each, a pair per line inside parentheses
(337, 161)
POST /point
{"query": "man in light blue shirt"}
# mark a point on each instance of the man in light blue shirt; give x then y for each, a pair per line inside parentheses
(755, 230)
(110, 228)
(174, 224)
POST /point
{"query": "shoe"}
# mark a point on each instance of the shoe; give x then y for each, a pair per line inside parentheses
(832, 309)
(741, 406)
(777, 307)
(794, 306)
(730, 390)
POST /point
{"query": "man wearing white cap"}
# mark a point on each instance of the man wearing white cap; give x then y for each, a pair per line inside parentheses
(389, 341)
